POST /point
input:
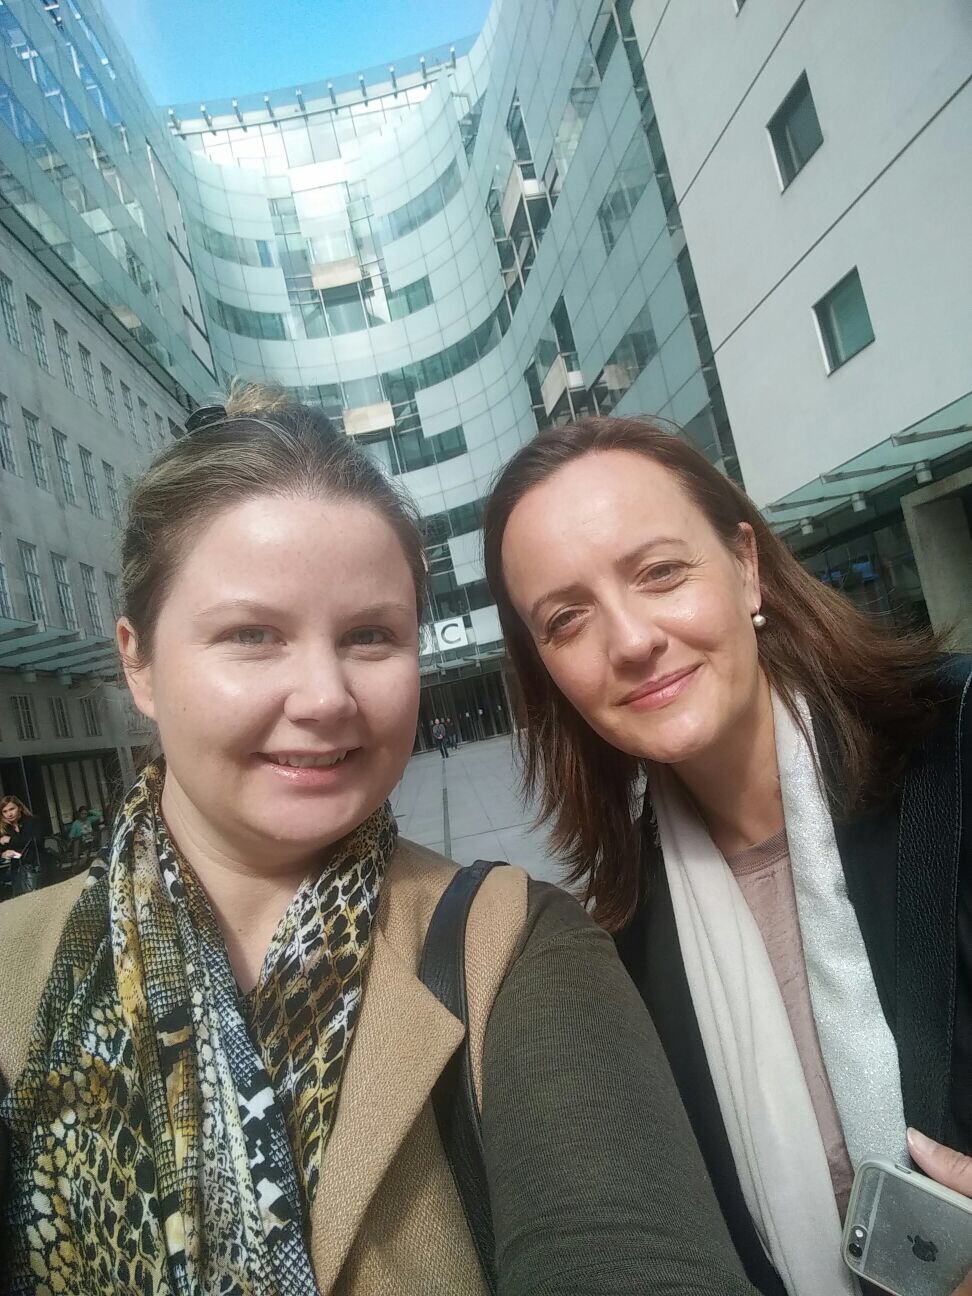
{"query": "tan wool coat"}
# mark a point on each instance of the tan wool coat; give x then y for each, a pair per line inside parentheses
(386, 1219)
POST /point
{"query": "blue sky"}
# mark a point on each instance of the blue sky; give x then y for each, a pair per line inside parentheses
(189, 50)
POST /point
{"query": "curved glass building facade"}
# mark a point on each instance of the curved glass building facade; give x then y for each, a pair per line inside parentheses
(449, 254)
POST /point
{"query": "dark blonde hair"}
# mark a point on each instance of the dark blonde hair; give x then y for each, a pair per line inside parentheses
(877, 692)
(265, 444)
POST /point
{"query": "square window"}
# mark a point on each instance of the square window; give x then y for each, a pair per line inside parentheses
(843, 320)
(795, 131)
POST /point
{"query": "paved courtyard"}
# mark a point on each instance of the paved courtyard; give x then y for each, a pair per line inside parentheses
(468, 807)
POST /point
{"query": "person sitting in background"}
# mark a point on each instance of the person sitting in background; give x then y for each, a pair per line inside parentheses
(224, 1064)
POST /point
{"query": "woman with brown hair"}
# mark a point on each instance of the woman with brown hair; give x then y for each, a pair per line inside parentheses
(252, 1053)
(795, 902)
(19, 842)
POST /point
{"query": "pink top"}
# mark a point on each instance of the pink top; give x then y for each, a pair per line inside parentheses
(764, 877)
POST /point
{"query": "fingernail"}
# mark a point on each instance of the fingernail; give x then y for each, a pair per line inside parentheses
(919, 1142)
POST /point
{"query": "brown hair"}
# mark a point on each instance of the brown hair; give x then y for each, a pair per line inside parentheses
(876, 691)
(14, 800)
(265, 444)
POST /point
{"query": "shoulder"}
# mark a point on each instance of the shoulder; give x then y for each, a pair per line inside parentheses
(414, 882)
(30, 930)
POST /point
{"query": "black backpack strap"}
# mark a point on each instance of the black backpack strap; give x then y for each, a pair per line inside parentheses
(443, 971)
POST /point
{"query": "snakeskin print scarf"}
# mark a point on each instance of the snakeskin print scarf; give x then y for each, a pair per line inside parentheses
(167, 1134)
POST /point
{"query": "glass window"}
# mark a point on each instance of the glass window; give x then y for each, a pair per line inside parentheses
(9, 312)
(6, 602)
(87, 370)
(38, 459)
(111, 485)
(60, 717)
(625, 190)
(7, 459)
(344, 309)
(91, 598)
(23, 709)
(36, 318)
(64, 354)
(90, 716)
(269, 325)
(143, 410)
(795, 131)
(90, 484)
(604, 35)
(626, 361)
(129, 411)
(109, 386)
(32, 580)
(64, 466)
(844, 321)
(403, 220)
(65, 595)
(114, 601)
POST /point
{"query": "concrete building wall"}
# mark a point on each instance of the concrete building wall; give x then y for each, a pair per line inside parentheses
(886, 192)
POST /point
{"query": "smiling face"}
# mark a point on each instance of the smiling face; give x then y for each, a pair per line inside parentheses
(284, 675)
(638, 610)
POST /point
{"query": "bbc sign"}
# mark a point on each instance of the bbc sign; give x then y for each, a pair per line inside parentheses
(444, 635)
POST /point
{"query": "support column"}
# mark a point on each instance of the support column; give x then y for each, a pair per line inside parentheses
(942, 544)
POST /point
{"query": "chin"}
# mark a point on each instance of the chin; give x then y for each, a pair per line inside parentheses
(671, 743)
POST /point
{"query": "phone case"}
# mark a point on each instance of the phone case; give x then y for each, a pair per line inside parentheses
(905, 1233)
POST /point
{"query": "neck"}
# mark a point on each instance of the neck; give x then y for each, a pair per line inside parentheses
(249, 889)
(736, 783)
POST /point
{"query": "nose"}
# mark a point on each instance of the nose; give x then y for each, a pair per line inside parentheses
(632, 632)
(320, 692)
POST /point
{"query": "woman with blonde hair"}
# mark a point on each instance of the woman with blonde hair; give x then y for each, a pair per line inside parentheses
(794, 900)
(271, 1048)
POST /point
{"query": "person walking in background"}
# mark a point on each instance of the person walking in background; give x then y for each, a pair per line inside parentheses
(225, 1071)
(452, 734)
(441, 738)
(795, 903)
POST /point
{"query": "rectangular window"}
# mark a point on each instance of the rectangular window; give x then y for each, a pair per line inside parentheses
(9, 312)
(90, 485)
(36, 317)
(32, 579)
(90, 716)
(143, 410)
(65, 595)
(843, 320)
(60, 717)
(795, 131)
(38, 460)
(91, 599)
(6, 602)
(111, 485)
(7, 459)
(159, 430)
(129, 411)
(64, 352)
(87, 370)
(64, 466)
(109, 392)
(114, 602)
(23, 709)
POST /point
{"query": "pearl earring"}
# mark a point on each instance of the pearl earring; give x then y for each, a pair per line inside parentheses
(758, 620)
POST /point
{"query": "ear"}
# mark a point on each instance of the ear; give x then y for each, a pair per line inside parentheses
(138, 674)
(748, 557)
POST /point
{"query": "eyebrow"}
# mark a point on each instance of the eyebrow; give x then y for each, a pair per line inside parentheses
(628, 560)
(252, 607)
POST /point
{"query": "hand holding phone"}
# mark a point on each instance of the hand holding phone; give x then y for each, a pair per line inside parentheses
(910, 1235)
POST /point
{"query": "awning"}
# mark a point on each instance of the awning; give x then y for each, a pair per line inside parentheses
(909, 454)
(31, 647)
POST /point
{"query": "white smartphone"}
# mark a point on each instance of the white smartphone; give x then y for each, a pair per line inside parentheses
(905, 1233)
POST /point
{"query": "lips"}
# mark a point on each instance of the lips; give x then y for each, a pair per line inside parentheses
(660, 690)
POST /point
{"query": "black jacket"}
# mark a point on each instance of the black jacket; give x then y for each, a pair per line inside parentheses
(25, 837)
(908, 868)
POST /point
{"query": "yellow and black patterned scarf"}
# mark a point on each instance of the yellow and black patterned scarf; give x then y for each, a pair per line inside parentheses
(167, 1135)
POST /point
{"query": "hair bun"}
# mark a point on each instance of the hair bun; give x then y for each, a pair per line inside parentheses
(256, 400)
